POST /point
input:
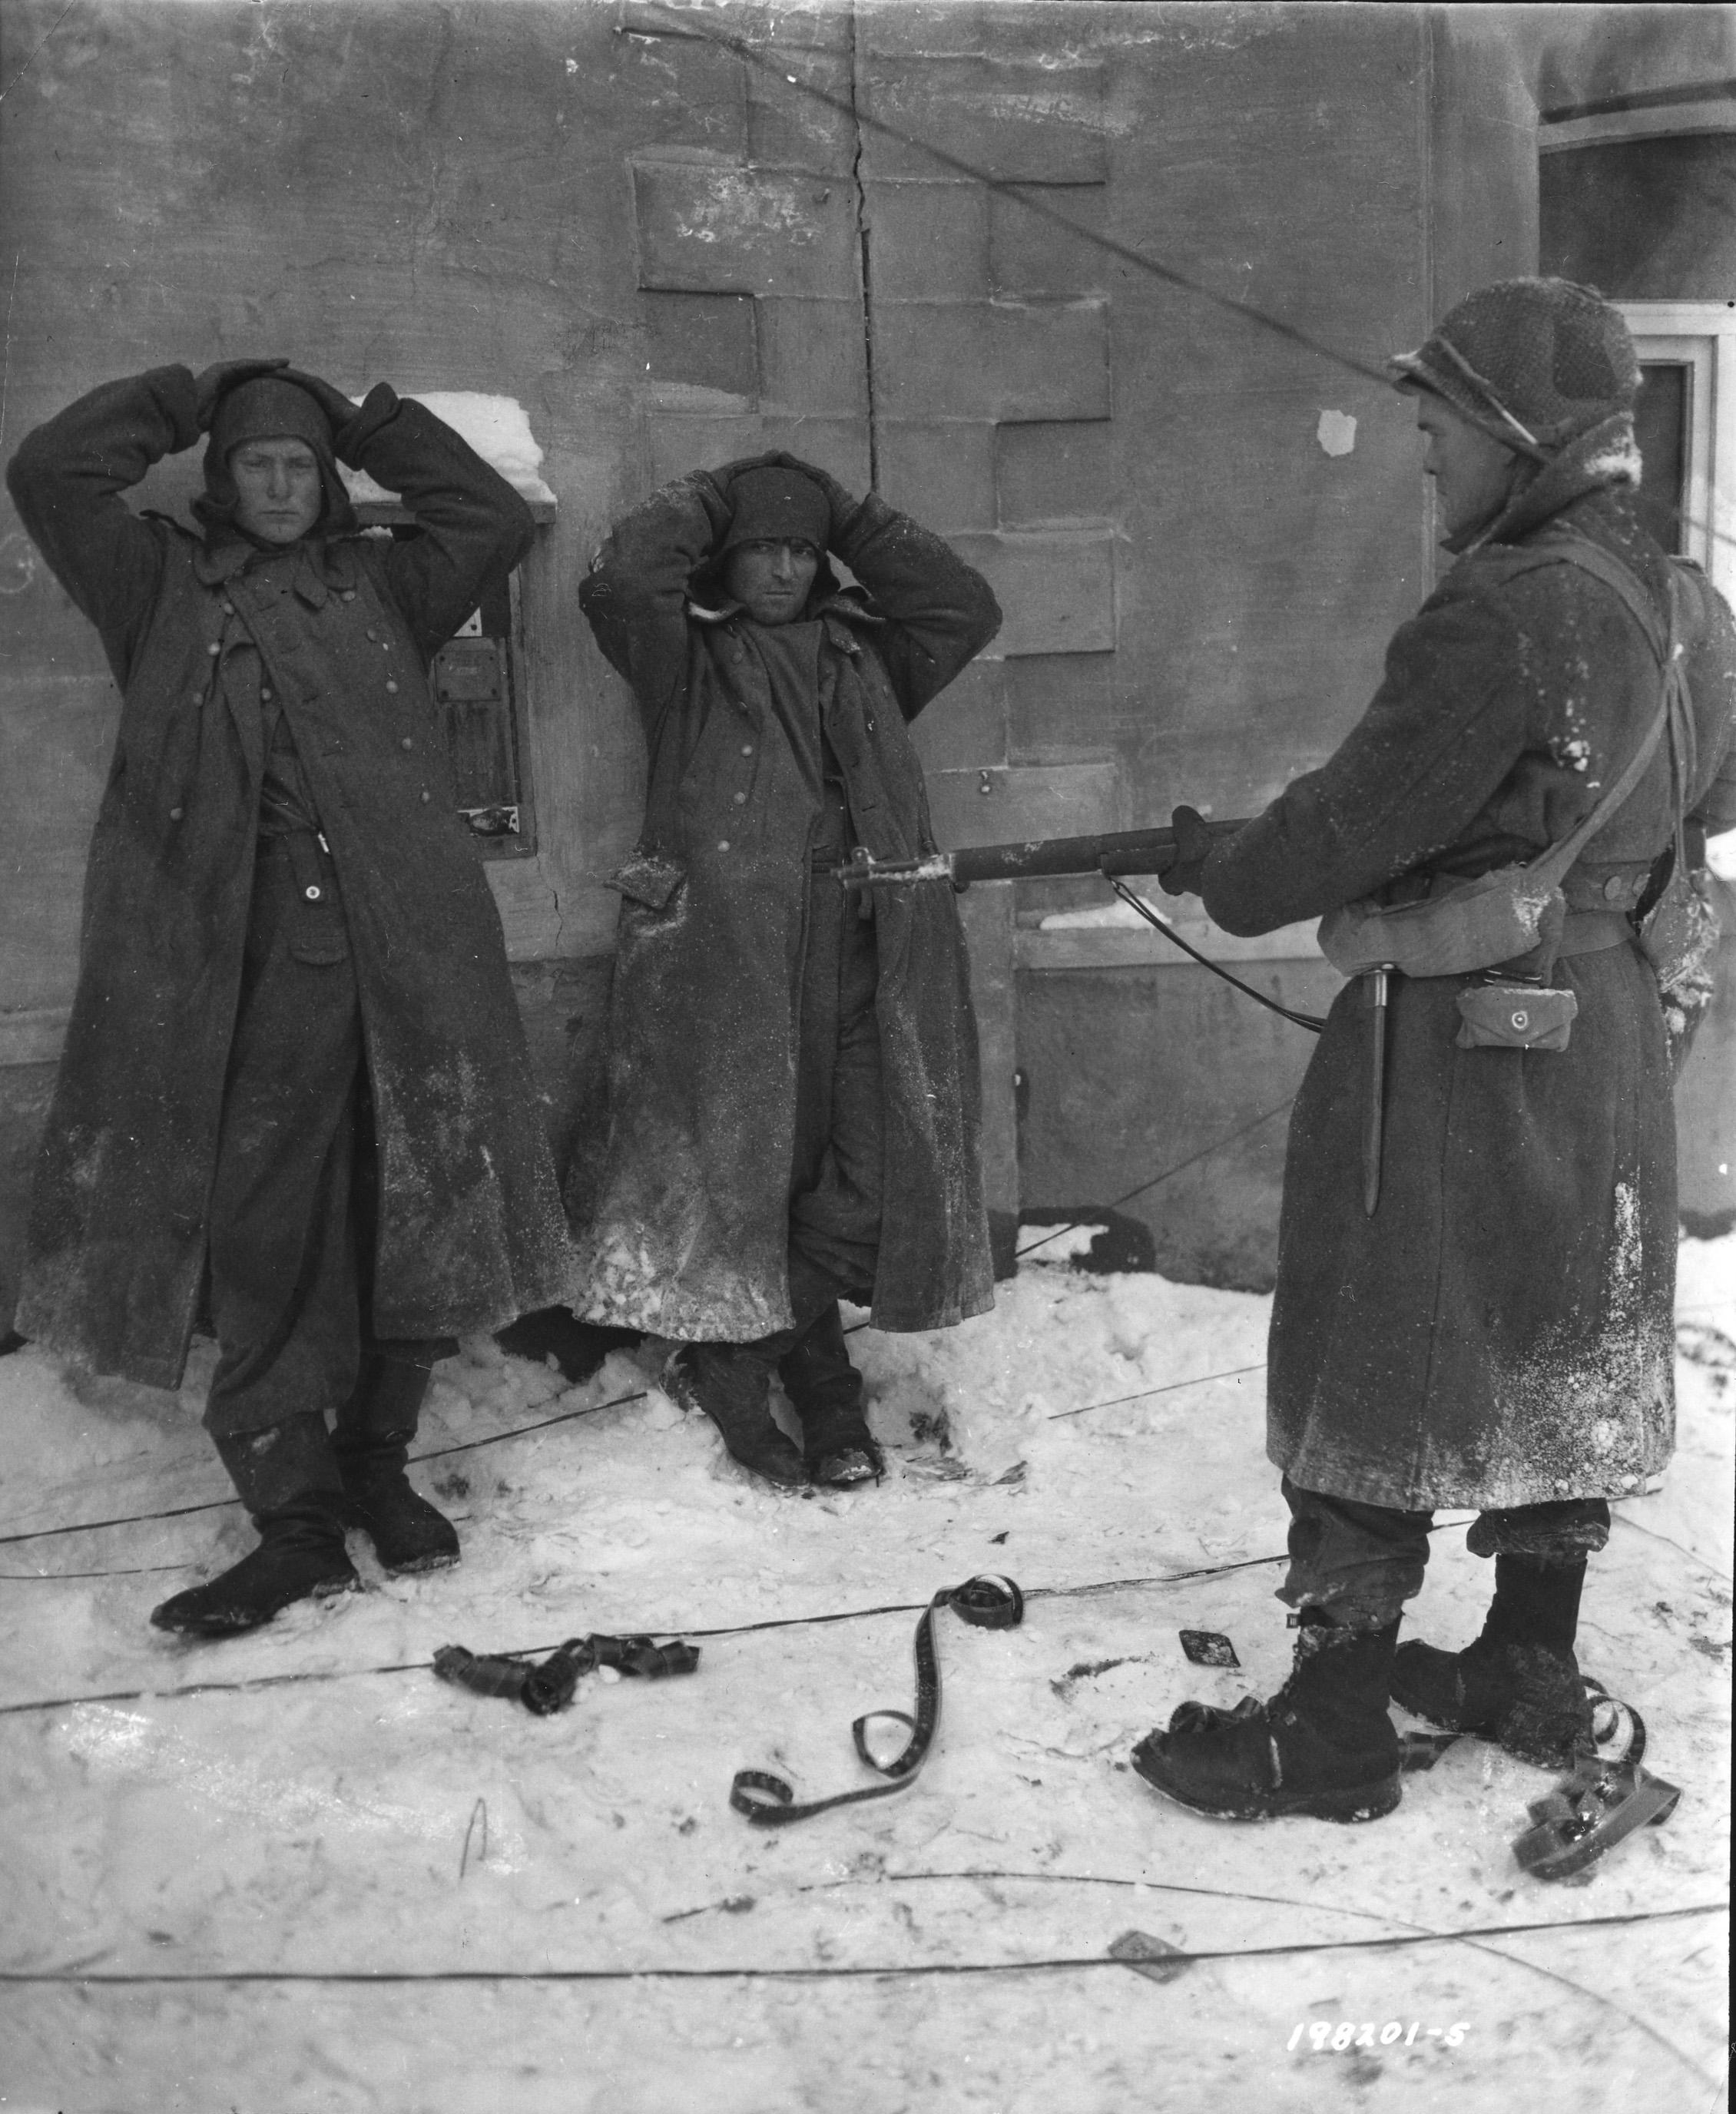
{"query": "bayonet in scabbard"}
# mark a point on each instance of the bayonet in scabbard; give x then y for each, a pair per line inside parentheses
(1374, 1117)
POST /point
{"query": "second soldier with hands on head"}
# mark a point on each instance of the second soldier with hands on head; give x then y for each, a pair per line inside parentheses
(794, 1086)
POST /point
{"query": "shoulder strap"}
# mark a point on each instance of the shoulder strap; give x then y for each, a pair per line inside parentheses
(1672, 712)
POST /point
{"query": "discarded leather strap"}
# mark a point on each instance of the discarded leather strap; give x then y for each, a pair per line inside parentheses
(549, 1687)
(987, 1603)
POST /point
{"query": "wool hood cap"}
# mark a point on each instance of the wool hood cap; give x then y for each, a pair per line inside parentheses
(773, 504)
(263, 409)
(1533, 363)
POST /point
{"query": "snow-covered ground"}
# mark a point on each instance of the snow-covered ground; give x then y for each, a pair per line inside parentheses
(296, 1871)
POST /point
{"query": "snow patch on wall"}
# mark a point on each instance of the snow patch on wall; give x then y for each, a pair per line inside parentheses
(1337, 432)
(498, 428)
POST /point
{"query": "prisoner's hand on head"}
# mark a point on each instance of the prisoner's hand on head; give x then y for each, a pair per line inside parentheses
(339, 409)
(214, 382)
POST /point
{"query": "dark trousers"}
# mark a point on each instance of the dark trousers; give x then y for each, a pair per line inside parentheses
(290, 1227)
(1360, 1563)
(836, 1172)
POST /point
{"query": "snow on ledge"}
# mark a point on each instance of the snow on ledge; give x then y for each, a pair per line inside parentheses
(496, 427)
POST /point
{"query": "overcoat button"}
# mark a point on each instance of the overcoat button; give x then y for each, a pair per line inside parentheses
(372, 632)
(407, 743)
(229, 609)
(1615, 886)
(746, 749)
(176, 813)
(348, 595)
(214, 649)
(265, 696)
(311, 894)
(428, 796)
(393, 687)
(723, 844)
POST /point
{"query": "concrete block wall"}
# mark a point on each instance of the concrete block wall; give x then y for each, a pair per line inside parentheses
(993, 391)
(673, 254)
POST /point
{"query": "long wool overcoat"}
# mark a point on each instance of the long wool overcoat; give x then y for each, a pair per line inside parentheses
(1499, 1332)
(471, 1230)
(689, 1239)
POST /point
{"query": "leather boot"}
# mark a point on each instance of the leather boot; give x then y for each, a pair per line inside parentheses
(825, 1389)
(732, 1383)
(371, 1442)
(1519, 1682)
(288, 1481)
(1323, 1746)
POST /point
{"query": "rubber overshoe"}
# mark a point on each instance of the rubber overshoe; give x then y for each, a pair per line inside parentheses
(1323, 1747)
(1518, 1684)
(1526, 1698)
(731, 1382)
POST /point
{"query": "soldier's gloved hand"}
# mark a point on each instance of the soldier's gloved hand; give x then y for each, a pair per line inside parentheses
(340, 411)
(217, 380)
(1193, 842)
(711, 488)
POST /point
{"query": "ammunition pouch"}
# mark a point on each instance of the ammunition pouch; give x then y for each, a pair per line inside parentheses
(1514, 1016)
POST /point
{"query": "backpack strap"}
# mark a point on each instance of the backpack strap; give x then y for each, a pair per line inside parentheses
(1673, 715)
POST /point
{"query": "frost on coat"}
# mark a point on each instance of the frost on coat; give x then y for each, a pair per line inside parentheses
(470, 1228)
(1499, 1333)
(690, 1236)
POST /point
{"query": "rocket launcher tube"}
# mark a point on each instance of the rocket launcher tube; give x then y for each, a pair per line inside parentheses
(1118, 851)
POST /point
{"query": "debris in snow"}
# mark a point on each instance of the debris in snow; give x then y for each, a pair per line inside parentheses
(984, 1602)
(479, 1812)
(1152, 1957)
(1599, 1804)
(1207, 1648)
(551, 1686)
(287, 1803)
(1085, 1670)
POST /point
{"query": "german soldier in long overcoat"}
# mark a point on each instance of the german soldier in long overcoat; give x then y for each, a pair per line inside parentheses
(295, 1083)
(794, 1085)
(1498, 1334)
